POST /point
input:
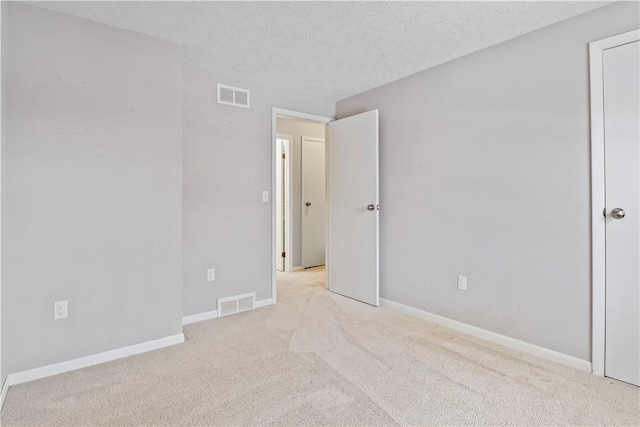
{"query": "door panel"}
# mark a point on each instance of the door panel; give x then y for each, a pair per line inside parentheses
(352, 178)
(313, 202)
(621, 73)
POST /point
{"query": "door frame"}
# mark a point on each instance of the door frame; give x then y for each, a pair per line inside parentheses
(302, 140)
(288, 241)
(3, 42)
(289, 114)
(598, 224)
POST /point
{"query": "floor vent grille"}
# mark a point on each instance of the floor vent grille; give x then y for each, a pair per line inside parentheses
(236, 304)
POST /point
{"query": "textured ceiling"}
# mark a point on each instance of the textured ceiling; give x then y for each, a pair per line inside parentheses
(331, 49)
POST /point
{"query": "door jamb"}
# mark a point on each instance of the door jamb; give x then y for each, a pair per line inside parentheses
(302, 140)
(4, 384)
(288, 242)
(283, 113)
(598, 223)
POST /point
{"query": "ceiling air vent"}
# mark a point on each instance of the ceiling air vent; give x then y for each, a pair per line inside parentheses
(230, 95)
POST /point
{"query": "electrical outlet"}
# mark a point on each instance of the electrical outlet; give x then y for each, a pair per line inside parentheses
(211, 275)
(60, 310)
(265, 196)
(462, 283)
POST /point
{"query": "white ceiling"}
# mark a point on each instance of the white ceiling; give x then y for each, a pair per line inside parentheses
(331, 49)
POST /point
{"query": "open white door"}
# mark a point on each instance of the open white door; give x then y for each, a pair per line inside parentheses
(352, 189)
(314, 206)
(621, 68)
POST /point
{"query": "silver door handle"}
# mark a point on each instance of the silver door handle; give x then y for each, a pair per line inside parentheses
(370, 207)
(308, 204)
(618, 213)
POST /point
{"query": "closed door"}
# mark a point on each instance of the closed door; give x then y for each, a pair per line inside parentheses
(352, 176)
(314, 207)
(621, 74)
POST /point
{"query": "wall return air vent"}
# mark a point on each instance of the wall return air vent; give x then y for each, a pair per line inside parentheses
(236, 304)
(229, 95)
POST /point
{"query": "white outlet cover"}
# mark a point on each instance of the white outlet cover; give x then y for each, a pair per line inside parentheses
(265, 196)
(211, 275)
(462, 283)
(60, 310)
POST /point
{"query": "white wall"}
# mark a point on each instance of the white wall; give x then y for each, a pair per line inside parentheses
(227, 164)
(485, 172)
(91, 188)
(297, 129)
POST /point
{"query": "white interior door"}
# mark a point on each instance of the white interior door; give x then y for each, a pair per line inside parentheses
(352, 179)
(314, 207)
(621, 73)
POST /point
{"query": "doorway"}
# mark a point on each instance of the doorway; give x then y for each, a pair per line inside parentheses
(351, 224)
(615, 157)
(299, 192)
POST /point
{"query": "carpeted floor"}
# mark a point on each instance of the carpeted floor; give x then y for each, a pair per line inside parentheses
(317, 358)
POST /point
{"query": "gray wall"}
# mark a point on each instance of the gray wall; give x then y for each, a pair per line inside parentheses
(297, 129)
(91, 188)
(227, 165)
(485, 172)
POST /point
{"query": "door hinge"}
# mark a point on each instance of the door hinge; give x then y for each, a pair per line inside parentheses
(284, 254)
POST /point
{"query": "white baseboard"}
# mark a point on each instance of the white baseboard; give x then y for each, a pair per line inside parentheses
(298, 268)
(263, 303)
(95, 359)
(214, 314)
(525, 347)
(3, 394)
(199, 317)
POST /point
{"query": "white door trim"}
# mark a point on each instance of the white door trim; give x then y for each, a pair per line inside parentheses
(3, 18)
(598, 194)
(302, 140)
(288, 217)
(275, 113)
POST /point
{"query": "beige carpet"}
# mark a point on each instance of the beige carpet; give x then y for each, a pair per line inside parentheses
(317, 358)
